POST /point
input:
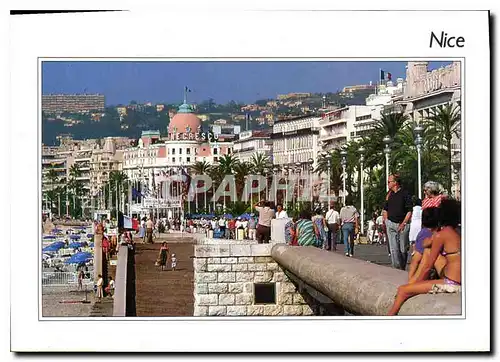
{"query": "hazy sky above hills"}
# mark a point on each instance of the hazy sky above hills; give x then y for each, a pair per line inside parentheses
(244, 81)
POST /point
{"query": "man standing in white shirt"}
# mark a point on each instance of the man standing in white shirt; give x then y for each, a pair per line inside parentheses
(332, 221)
(280, 213)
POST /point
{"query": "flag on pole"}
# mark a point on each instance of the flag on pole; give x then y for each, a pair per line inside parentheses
(389, 76)
(382, 75)
(187, 89)
(186, 181)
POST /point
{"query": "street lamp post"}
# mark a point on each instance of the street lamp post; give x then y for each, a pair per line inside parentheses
(343, 154)
(361, 151)
(387, 150)
(311, 169)
(275, 191)
(297, 171)
(285, 173)
(300, 189)
(326, 155)
(418, 142)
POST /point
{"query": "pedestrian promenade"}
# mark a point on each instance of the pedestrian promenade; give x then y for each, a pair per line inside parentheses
(164, 293)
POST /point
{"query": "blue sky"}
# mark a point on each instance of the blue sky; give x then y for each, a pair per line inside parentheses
(123, 81)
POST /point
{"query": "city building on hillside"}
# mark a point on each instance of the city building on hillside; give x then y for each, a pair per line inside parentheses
(293, 95)
(251, 142)
(122, 111)
(58, 103)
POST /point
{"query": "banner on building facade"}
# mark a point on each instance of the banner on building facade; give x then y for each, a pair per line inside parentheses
(152, 202)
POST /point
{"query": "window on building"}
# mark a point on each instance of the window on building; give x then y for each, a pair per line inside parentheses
(188, 159)
(188, 151)
(173, 159)
(173, 151)
(180, 151)
(215, 151)
(216, 159)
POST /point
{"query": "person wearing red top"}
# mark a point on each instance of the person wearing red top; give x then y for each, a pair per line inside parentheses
(433, 196)
(232, 228)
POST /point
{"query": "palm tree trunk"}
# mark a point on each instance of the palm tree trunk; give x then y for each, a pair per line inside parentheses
(450, 178)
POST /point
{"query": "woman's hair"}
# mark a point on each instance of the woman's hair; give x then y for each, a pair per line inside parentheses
(397, 178)
(449, 213)
(317, 211)
(304, 214)
(432, 187)
(430, 218)
(416, 201)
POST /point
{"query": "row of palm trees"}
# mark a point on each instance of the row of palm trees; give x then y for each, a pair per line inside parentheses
(71, 197)
(436, 159)
(436, 155)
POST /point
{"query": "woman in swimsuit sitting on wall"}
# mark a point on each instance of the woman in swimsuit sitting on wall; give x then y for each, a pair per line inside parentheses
(445, 241)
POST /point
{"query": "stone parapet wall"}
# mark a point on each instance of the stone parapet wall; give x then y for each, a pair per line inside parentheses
(225, 276)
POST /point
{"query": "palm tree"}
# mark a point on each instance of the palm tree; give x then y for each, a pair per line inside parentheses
(74, 187)
(260, 162)
(201, 168)
(331, 163)
(389, 125)
(443, 124)
(53, 179)
(241, 171)
(118, 179)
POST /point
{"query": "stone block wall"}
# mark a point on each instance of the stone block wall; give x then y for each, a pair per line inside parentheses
(224, 277)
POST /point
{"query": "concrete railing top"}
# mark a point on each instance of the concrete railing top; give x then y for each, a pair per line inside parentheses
(360, 287)
(120, 296)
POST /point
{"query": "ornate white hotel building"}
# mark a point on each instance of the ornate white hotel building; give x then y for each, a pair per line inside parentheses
(148, 164)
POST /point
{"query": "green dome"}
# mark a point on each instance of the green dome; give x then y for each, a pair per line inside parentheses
(185, 108)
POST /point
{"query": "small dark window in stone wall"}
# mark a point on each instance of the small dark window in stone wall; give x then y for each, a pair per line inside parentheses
(265, 293)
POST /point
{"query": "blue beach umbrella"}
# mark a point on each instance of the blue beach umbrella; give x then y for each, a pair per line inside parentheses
(47, 237)
(228, 216)
(75, 245)
(54, 246)
(56, 230)
(78, 258)
(74, 237)
(90, 235)
(91, 245)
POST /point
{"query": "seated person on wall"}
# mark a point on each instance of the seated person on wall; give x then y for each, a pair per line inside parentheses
(421, 255)
(445, 241)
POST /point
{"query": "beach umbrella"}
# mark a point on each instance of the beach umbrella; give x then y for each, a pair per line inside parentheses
(56, 230)
(54, 246)
(90, 235)
(78, 258)
(74, 237)
(49, 237)
(75, 245)
(91, 245)
(228, 216)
